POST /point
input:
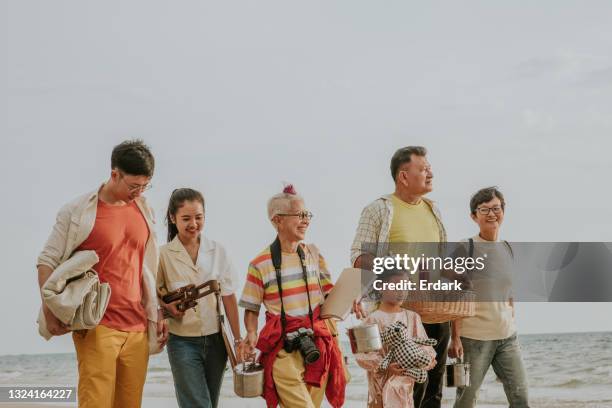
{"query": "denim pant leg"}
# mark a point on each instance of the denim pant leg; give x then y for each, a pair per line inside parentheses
(214, 367)
(479, 354)
(186, 355)
(508, 365)
(429, 394)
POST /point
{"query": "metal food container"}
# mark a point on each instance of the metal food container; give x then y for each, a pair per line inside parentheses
(458, 374)
(365, 338)
(248, 379)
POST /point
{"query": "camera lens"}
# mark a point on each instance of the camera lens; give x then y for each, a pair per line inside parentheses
(312, 356)
(309, 349)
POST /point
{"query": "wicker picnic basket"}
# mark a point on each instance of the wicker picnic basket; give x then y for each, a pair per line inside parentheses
(441, 306)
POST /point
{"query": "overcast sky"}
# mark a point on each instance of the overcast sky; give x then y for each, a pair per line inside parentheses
(236, 97)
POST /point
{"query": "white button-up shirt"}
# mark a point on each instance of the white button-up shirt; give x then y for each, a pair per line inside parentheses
(177, 269)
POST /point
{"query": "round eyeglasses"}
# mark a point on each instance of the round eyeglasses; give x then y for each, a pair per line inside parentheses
(304, 215)
(487, 210)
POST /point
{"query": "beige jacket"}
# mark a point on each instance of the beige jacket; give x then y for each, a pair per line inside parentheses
(176, 269)
(74, 223)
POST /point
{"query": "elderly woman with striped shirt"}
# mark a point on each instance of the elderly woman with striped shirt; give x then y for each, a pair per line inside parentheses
(301, 359)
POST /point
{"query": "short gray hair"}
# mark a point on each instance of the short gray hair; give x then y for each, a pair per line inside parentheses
(404, 155)
(484, 195)
(281, 203)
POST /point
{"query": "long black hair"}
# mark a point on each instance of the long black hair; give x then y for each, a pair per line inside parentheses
(177, 199)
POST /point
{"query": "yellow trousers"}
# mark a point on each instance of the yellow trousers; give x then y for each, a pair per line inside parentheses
(288, 374)
(112, 367)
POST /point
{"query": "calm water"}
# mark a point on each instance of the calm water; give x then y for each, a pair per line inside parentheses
(562, 369)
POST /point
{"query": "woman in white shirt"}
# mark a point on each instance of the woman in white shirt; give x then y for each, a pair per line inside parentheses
(196, 349)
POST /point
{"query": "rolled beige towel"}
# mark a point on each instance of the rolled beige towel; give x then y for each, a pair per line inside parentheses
(74, 294)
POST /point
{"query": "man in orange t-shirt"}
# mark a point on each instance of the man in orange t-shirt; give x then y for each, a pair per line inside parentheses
(116, 223)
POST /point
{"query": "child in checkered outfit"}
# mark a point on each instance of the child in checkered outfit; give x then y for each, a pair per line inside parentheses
(392, 387)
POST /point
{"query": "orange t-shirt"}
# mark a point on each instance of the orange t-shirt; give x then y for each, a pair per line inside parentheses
(119, 237)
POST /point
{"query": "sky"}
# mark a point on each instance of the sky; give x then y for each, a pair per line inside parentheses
(235, 98)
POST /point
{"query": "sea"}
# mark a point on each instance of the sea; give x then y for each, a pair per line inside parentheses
(564, 370)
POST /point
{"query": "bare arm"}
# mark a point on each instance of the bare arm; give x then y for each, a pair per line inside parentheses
(250, 323)
(364, 261)
(162, 290)
(44, 272)
(456, 328)
(455, 349)
(230, 305)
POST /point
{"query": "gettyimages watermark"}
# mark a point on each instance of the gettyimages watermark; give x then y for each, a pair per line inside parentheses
(407, 264)
(493, 271)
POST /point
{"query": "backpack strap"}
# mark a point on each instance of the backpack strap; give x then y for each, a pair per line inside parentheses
(471, 248)
(509, 248)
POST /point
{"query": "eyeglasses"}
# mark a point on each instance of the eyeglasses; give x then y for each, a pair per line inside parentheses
(135, 187)
(304, 215)
(486, 210)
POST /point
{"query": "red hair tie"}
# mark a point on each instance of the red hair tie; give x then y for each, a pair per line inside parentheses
(289, 189)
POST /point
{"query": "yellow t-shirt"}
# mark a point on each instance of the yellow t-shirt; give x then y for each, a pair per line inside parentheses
(413, 222)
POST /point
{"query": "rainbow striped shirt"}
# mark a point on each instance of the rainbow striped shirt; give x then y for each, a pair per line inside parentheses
(261, 286)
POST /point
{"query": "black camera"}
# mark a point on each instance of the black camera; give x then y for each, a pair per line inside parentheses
(302, 339)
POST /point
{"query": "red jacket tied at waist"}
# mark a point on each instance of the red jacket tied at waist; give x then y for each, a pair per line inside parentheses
(328, 367)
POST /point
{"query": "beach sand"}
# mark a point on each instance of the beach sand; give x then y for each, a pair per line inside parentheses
(259, 403)
(171, 403)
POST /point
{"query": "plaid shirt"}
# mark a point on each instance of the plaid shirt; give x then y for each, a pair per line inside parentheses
(372, 235)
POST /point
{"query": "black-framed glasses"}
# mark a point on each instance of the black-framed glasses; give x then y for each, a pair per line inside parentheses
(135, 187)
(487, 210)
(304, 215)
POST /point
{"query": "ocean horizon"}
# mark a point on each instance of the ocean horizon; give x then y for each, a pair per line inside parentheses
(563, 370)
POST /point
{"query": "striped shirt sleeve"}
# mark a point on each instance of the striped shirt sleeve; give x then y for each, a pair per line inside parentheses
(325, 276)
(253, 292)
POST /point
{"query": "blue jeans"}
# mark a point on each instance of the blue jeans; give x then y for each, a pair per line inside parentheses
(197, 364)
(505, 358)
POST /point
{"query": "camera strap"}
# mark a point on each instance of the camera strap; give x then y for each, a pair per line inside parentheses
(277, 259)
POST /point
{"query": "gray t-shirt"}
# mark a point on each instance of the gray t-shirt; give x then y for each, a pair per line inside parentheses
(493, 319)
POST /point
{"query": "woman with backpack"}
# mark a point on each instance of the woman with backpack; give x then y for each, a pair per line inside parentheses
(489, 337)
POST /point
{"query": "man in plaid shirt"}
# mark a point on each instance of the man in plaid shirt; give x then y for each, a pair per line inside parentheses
(403, 217)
